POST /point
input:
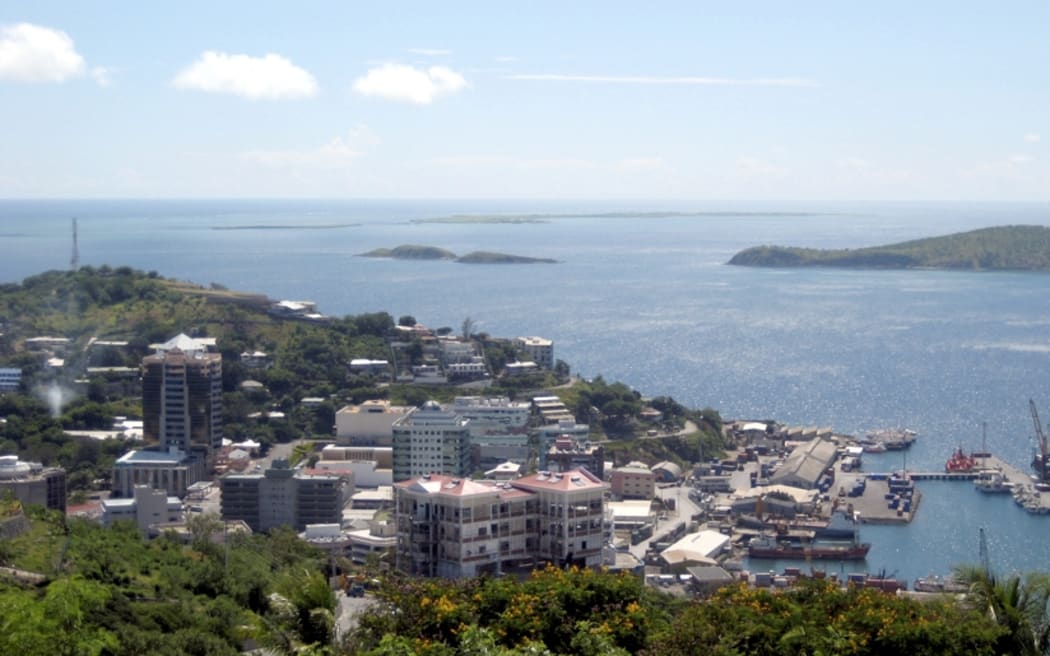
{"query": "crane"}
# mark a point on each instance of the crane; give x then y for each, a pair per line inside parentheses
(1041, 460)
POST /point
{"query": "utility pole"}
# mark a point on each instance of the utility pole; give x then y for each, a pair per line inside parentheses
(74, 260)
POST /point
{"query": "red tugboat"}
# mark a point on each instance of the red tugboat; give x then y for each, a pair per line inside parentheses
(960, 463)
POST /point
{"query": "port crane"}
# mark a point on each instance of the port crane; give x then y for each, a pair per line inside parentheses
(1041, 459)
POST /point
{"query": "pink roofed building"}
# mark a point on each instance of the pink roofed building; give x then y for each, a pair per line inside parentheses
(454, 527)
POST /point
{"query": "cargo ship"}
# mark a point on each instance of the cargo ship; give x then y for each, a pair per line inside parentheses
(765, 546)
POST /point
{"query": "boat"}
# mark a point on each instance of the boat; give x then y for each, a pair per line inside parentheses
(765, 546)
(871, 446)
(960, 463)
(892, 439)
(939, 584)
(992, 481)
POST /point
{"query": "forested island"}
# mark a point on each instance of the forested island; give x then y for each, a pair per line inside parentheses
(1000, 248)
(417, 252)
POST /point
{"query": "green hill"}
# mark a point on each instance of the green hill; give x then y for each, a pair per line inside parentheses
(412, 252)
(486, 257)
(1001, 248)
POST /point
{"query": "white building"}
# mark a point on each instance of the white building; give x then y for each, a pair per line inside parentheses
(171, 471)
(431, 440)
(492, 416)
(368, 424)
(540, 349)
(10, 379)
(455, 527)
(146, 507)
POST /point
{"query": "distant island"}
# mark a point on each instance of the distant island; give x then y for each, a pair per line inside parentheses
(417, 252)
(546, 218)
(309, 226)
(1001, 248)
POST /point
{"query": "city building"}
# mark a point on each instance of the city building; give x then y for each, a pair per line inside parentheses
(540, 349)
(10, 379)
(368, 424)
(806, 464)
(455, 527)
(492, 416)
(667, 472)
(172, 471)
(567, 452)
(146, 507)
(633, 481)
(431, 440)
(285, 496)
(256, 359)
(182, 400)
(33, 484)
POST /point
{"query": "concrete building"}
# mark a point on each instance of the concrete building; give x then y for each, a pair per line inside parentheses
(368, 424)
(431, 440)
(367, 366)
(540, 349)
(492, 416)
(454, 527)
(33, 484)
(806, 464)
(667, 472)
(172, 471)
(633, 481)
(283, 496)
(10, 379)
(146, 507)
(182, 400)
(567, 452)
(371, 466)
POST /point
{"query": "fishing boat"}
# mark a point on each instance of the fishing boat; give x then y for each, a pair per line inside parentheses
(941, 584)
(766, 546)
(992, 481)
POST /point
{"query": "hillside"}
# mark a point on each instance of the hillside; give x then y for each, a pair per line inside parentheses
(1001, 248)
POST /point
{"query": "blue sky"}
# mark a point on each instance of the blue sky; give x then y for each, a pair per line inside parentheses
(669, 100)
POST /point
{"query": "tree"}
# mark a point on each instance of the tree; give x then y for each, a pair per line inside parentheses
(468, 328)
(406, 320)
(1018, 606)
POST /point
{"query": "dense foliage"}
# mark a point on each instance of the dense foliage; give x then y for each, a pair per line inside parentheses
(111, 592)
(1021, 248)
(594, 613)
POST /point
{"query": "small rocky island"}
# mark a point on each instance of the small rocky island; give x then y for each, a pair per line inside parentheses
(417, 252)
(1000, 248)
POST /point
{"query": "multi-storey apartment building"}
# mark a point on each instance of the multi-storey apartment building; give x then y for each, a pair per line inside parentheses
(452, 527)
(431, 440)
(368, 424)
(540, 349)
(633, 481)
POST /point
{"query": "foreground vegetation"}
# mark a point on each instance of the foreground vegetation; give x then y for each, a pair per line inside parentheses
(1017, 248)
(595, 613)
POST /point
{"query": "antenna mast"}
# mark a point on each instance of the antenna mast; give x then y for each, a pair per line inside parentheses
(74, 261)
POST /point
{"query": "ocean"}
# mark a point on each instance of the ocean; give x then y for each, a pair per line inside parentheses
(648, 300)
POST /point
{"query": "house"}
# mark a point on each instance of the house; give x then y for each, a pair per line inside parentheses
(633, 481)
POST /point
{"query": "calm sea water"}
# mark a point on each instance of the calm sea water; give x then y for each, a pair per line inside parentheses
(650, 302)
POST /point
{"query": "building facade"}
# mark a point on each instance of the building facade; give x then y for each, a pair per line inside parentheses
(283, 496)
(182, 399)
(431, 440)
(633, 481)
(454, 527)
(540, 349)
(368, 424)
(33, 484)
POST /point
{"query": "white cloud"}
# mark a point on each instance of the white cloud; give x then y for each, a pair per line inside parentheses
(430, 52)
(1020, 159)
(102, 75)
(683, 80)
(403, 83)
(1032, 137)
(271, 77)
(505, 59)
(756, 166)
(337, 153)
(32, 53)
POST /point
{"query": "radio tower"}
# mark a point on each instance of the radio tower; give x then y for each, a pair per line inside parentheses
(74, 261)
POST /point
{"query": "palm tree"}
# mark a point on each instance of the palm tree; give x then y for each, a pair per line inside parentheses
(1018, 606)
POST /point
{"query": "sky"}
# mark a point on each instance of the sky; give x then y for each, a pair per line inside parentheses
(913, 101)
